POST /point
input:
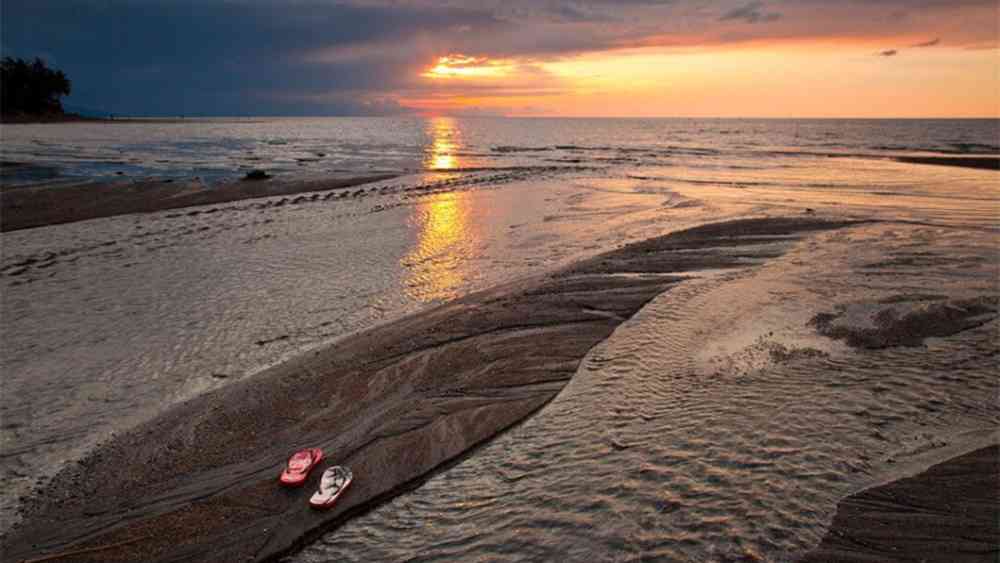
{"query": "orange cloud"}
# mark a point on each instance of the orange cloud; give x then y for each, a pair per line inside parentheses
(458, 65)
(754, 80)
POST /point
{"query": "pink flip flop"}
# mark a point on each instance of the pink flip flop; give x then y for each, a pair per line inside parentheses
(299, 466)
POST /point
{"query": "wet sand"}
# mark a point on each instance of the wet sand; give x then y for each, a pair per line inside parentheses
(951, 512)
(393, 403)
(37, 206)
(979, 162)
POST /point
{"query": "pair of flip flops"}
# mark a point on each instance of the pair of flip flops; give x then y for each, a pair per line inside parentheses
(332, 484)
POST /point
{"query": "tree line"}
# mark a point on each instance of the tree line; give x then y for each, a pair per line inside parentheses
(31, 87)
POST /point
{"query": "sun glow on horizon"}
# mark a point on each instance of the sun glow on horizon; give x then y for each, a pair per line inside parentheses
(458, 65)
(817, 79)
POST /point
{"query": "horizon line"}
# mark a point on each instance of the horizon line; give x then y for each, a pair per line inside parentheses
(115, 117)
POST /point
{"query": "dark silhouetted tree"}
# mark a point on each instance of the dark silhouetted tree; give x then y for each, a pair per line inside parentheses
(31, 88)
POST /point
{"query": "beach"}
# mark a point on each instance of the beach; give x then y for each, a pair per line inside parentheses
(948, 512)
(395, 413)
(656, 352)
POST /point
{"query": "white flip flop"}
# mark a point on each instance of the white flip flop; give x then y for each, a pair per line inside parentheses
(335, 480)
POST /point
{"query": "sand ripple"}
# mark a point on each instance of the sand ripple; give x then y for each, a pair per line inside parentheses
(718, 422)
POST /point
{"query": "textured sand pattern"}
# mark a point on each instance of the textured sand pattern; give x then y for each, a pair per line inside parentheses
(392, 403)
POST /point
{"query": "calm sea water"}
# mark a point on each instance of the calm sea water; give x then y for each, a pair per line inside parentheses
(224, 148)
(737, 446)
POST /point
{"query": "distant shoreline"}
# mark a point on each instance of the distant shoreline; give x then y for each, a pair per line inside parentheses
(25, 119)
(77, 118)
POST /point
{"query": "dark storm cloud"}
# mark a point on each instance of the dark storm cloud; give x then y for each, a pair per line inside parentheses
(570, 12)
(217, 57)
(211, 57)
(754, 12)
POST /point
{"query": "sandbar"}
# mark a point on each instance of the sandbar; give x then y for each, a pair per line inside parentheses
(950, 512)
(25, 207)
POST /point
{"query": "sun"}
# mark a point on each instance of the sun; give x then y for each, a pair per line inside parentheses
(463, 66)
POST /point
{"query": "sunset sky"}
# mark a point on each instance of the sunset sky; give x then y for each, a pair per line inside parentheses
(757, 58)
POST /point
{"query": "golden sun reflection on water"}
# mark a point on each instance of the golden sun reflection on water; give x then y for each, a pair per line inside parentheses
(446, 140)
(436, 264)
(444, 161)
(446, 229)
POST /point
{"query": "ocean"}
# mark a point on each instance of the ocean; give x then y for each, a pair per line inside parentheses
(222, 148)
(717, 423)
